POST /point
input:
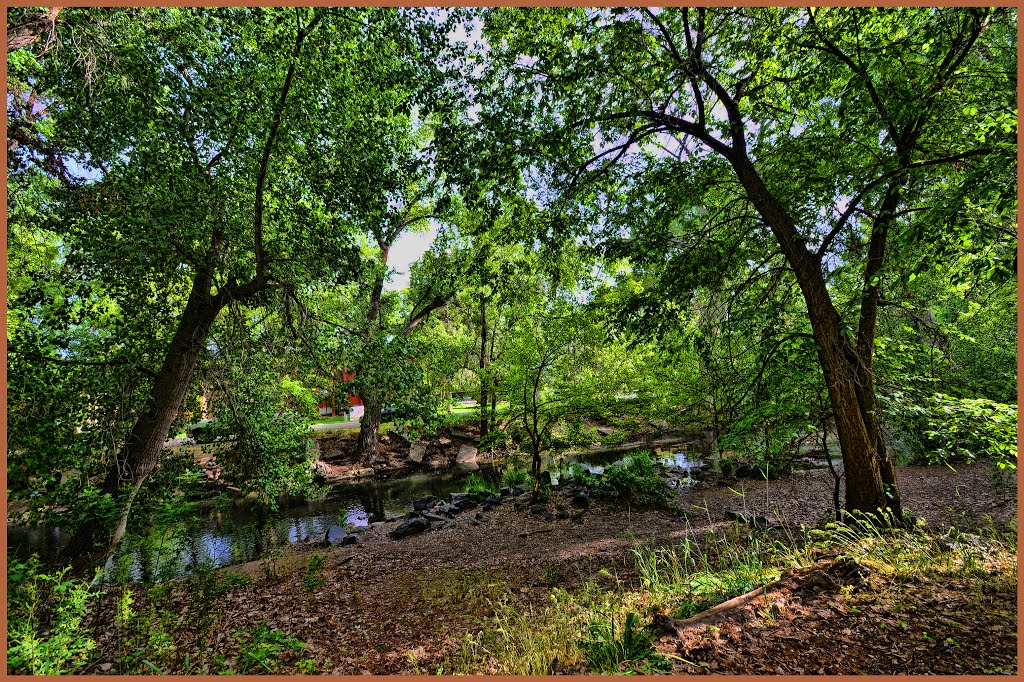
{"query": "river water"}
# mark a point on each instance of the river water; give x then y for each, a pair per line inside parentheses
(243, 531)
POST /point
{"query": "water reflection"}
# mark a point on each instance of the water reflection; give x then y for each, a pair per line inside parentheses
(246, 531)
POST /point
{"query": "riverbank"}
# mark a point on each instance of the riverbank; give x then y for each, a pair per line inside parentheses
(408, 606)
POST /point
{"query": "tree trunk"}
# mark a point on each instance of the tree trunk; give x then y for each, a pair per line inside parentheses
(484, 381)
(141, 452)
(856, 431)
(369, 426)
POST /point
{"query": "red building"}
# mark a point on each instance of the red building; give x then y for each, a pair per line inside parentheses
(330, 408)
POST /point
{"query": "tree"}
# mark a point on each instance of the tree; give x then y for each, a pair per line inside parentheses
(192, 128)
(818, 125)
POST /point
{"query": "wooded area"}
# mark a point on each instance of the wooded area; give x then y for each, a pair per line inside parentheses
(714, 319)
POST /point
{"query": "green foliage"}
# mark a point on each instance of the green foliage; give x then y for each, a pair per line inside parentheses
(478, 488)
(944, 429)
(637, 480)
(45, 614)
(262, 649)
(578, 474)
(313, 577)
(608, 648)
(514, 477)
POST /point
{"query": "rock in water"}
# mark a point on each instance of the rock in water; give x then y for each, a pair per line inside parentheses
(335, 536)
(424, 503)
(410, 527)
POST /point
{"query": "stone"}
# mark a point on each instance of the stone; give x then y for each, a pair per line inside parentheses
(412, 515)
(350, 539)
(754, 521)
(466, 455)
(581, 500)
(548, 516)
(493, 500)
(410, 527)
(506, 491)
(417, 451)
(424, 503)
(466, 503)
(562, 514)
(480, 516)
(334, 536)
(393, 518)
(105, 667)
(448, 510)
(539, 509)
(456, 498)
(433, 517)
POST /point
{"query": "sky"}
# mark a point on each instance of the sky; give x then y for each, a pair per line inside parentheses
(407, 250)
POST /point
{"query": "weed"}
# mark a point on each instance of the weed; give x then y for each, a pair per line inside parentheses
(263, 650)
(515, 477)
(478, 489)
(608, 648)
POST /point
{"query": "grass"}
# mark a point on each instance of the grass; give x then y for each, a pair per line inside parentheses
(601, 629)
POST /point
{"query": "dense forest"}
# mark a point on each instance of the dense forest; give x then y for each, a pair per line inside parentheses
(704, 358)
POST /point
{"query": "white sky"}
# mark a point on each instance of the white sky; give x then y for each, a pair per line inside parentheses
(408, 249)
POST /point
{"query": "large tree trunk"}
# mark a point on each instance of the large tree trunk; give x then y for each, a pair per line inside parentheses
(369, 426)
(141, 452)
(863, 458)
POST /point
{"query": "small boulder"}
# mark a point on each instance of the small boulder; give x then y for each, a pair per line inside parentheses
(424, 503)
(335, 536)
(350, 539)
(506, 491)
(433, 517)
(456, 498)
(412, 515)
(581, 500)
(539, 509)
(493, 500)
(754, 521)
(417, 451)
(466, 455)
(410, 527)
(548, 516)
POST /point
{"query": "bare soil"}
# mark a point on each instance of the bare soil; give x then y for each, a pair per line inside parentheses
(401, 606)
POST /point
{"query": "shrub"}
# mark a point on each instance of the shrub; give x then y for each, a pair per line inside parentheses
(515, 477)
(943, 429)
(580, 475)
(55, 644)
(637, 480)
(607, 651)
(478, 488)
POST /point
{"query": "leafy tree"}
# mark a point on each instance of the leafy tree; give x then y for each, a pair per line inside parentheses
(816, 129)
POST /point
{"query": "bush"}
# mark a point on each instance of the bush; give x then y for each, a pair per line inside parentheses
(478, 488)
(637, 480)
(578, 474)
(515, 477)
(943, 429)
(45, 613)
(607, 651)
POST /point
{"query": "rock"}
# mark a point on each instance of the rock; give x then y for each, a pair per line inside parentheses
(605, 430)
(480, 516)
(350, 539)
(466, 455)
(752, 520)
(424, 503)
(377, 525)
(105, 667)
(392, 519)
(456, 498)
(522, 489)
(417, 451)
(433, 517)
(465, 504)
(448, 510)
(493, 500)
(487, 506)
(410, 527)
(562, 514)
(539, 509)
(581, 500)
(412, 515)
(548, 517)
(335, 536)
(505, 492)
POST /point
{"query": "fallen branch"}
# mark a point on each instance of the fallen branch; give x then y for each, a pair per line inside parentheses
(542, 530)
(734, 603)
